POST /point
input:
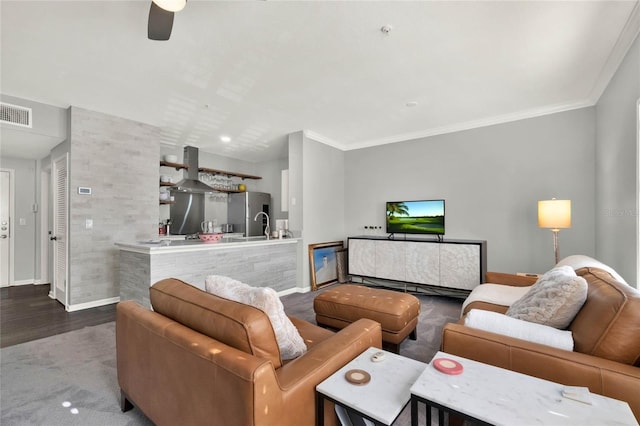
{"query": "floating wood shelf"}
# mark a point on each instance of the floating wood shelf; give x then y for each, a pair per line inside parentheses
(166, 202)
(177, 166)
(227, 174)
(167, 183)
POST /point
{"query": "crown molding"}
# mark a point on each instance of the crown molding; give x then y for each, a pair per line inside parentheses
(627, 36)
(323, 139)
(469, 125)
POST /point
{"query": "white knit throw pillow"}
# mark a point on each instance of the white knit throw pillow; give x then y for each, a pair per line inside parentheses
(553, 300)
(266, 299)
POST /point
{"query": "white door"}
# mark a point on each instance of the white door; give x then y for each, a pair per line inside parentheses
(60, 230)
(6, 231)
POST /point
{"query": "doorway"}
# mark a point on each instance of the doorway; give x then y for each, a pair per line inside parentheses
(7, 200)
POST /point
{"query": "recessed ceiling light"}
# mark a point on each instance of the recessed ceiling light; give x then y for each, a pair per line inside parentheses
(225, 139)
(412, 103)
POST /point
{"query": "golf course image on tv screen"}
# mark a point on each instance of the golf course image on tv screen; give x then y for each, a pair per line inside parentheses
(415, 217)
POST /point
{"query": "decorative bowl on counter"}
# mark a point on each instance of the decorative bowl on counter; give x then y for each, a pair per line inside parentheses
(210, 238)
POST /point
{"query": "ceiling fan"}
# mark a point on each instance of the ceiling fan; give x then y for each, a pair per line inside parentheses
(161, 18)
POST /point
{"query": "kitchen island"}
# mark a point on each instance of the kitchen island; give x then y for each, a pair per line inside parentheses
(253, 260)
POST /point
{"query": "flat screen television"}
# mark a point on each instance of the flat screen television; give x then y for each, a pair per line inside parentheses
(415, 217)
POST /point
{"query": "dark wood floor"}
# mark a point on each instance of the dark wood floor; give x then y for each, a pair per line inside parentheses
(27, 313)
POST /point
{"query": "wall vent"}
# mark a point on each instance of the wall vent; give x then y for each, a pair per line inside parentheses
(16, 115)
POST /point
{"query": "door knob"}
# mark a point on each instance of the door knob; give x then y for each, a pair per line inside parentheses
(53, 238)
(3, 236)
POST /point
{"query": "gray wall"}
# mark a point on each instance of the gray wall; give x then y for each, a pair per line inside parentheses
(48, 121)
(118, 159)
(323, 183)
(24, 237)
(49, 127)
(616, 190)
(491, 179)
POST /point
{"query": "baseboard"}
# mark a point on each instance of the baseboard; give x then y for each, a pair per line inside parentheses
(94, 304)
(293, 290)
(28, 282)
(24, 282)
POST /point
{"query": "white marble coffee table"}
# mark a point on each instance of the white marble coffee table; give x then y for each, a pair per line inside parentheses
(492, 395)
(383, 398)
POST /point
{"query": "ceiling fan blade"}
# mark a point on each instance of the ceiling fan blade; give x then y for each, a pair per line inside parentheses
(160, 23)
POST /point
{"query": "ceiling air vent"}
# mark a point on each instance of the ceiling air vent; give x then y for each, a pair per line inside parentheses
(16, 115)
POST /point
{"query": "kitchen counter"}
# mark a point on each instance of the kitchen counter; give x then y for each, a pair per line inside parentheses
(180, 246)
(254, 260)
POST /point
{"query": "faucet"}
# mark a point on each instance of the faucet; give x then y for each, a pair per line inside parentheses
(267, 231)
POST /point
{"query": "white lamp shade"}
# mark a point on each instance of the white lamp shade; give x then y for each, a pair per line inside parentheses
(171, 5)
(555, 214)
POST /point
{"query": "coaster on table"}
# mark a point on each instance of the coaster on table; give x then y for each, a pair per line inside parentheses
(447, 366)
(357, 377)
(577, 393)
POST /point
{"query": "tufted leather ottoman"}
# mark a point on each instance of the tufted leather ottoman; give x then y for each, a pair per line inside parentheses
(396, 312)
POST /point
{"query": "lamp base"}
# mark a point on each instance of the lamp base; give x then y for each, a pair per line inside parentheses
(556, 247)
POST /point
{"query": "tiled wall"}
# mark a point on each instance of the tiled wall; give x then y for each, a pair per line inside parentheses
(118, 160)
(271, 265)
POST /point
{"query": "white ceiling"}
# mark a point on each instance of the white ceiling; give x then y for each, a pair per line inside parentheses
(258, 70)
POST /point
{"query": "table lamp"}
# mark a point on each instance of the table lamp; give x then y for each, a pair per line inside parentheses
(556, 215)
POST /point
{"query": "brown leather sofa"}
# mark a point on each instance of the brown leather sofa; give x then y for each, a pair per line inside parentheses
(198, 359)
(606, 333)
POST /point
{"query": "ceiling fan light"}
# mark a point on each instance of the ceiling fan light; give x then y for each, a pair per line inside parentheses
(171, 5)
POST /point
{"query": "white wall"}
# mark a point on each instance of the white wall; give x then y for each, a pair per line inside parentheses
(617, 167)
(491, 179)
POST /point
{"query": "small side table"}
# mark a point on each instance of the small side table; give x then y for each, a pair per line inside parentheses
(383, 398)
(490, 395)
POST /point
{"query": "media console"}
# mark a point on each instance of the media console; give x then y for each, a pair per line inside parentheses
(454, 264)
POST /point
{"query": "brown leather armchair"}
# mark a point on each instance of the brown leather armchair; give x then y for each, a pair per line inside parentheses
(606, 333)
(200, 359)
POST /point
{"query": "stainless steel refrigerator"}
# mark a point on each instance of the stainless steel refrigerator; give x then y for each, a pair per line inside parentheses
(243, 207)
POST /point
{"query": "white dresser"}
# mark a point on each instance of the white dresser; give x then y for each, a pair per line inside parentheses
(456, 264)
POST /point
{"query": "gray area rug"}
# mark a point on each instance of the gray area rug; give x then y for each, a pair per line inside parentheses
(435, 312)
(70, 379)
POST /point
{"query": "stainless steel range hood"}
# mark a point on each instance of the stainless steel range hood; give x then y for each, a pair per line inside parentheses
(190, 183)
